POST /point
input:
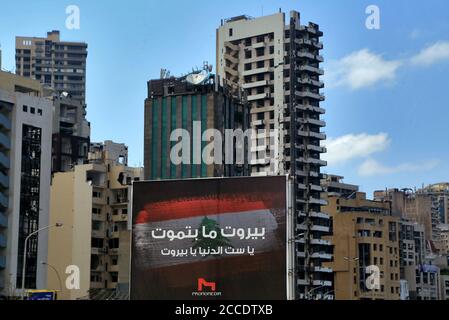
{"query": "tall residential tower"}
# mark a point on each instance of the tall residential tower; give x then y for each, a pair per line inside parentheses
(55, 63)
(276, 60)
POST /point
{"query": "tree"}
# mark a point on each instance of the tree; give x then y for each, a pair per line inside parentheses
(213, 244)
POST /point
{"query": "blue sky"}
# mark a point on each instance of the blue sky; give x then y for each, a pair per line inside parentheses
(386, 90)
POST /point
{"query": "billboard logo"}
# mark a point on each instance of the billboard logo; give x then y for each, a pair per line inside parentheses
(206, 288)
(202, 282)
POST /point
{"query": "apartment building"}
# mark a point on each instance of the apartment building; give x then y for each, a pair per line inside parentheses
(412, 247)
(276, 61)
(71, 134)
(364, 234)
(428, 282)
(25, 157)
(427, 206)
(93, 202)
(55, 63)
(178, 104)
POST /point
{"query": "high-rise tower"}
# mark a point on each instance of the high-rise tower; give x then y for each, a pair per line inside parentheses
(277, 62)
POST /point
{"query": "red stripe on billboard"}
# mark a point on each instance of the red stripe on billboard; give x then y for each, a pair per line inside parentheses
(193, 207)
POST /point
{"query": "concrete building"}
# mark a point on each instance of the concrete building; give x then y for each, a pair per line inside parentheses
(276, 61)
(174, 103)
(93, 202)
(412, 247)
(55, 63)
(25, 160)
(334, 186)
(364, 234)
(427, 206)
(71, 134)
(428, 282)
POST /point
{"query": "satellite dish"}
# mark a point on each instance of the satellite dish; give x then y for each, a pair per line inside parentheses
(198, 77)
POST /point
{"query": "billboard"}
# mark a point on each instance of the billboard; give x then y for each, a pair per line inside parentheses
(214, 238)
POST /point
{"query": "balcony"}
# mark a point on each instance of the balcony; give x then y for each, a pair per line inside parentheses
(4, 161)
(255, 71)
(309, 94)
(5, 123)
(304, 107)
(321, 202)
(321, 255)
(231, 46)
(320, 215)
(316, 122)
(304, 174)
(3, 221)
(231, 58)
(323, 283)
(303, 282)
(5, 142)
(258, 96)
(255, 84)
(312, 134)
(4, 180)
(320, 242)
(310, 69)
(231, 71)
(319, 228)
(315, 83)
(120, 217)
(323, 269)
(312, 161)
(313, 148)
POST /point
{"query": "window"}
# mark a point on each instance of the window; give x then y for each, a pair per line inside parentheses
(230, 32)
(39, 112)
(32, 110)
(248, 54)
(25, 108)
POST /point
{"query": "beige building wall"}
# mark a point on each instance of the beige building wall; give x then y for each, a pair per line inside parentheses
(93, 204)
(71, 204)
(350, 229)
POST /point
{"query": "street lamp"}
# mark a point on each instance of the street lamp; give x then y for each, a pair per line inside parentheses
(328, 292)
(296, 237)
(57, 273)
(310, 291)
(349, 259)
(58, 224)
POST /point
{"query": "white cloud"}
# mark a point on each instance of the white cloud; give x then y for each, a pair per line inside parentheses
(350, 146)
(372, 167)
(361, 69)
(437, 52)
